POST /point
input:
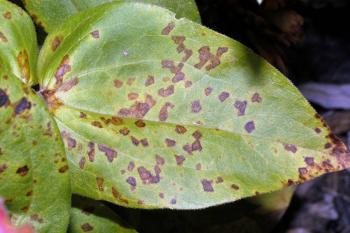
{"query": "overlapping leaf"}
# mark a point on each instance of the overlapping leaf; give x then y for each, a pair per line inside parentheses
(18, 46)
(91, 216)
(33, 168)
(52, 13)
(159, 112)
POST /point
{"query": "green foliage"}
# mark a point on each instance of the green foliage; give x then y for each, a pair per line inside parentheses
(153, 111)
(52, 13)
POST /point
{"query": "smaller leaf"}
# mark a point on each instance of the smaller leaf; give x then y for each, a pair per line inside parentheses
(18, 44)
(92, 216)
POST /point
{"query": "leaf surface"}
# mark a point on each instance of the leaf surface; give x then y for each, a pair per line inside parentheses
(92, 216)
(165, 113)
(52, 13)
(18, 45)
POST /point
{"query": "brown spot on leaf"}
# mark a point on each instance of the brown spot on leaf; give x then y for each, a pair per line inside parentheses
(7, 15)
(223, 96)
(131, 166)
(82, 163)
(56, 42)
(22, 171)
(164, 111)
(118, 83)
(160, 160)
(169, 142)
(36, 218)
(124, 131)
(173, 201)
(109, 152)
(161, 195)
(208, 91)
(100, 183)
(95, 34)
(4, 99)
(234, 186)
(133, 96)
(139, 109)
(318, 130)
(3, 167)
(167, 91)
(180, 129)
(198, 166)
(219, 180)
(309, 161)
(134, 141)
(207, 185)
(3, 37)
(144, 142)
(130, 81)
(66, 86)
(23, 63)
(290, 147)
(97, 124)
(71, 142)
(147, 177)
(86, 227)
(187, 148)
(63, 169)
(256, 98)
(168, 28)
(131, 180)
(62, 70)
(241, 107)
(188, 84)
(206, 56)
(91, 152)
(149, 81)
(249, 126)
(140, 123)
(179, 159)
(196, 106)
(118, 196)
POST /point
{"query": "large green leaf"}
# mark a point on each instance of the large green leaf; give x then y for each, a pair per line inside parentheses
(52, 13)
(33, 169)
(159, 112)
(92, 216)
(18, 45)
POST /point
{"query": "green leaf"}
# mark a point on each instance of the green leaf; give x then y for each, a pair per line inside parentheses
(158, 112)
(33, 169)
(92, 216)
(52, 13)
(18, 45)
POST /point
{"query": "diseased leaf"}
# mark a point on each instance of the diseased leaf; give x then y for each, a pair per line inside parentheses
(159, 112)
(52, 13)
(33, 169)
(92, 216)
(18, 45)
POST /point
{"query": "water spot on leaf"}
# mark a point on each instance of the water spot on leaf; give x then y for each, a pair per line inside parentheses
(207, 185)
(168, 28)
(100, 183)
(290, 147)
(86, 227)
(241, 107)
(109, 152)
(249, 126)
(196, 106)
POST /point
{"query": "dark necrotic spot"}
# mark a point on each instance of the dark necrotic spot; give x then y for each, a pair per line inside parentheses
(241, 107)
(173, 201)
(63, 169)
(100, 183)
(187, 148)
(147, 177)
(256, 98)
(219, 180)
(4, 99)
(164, 111)
(55, 43)
(124, 131)
(179, 159)
(22, 105)
(3, 167)
(95, 34)
(180, 129)
(302, 171)
(140, 123)
(22, 171)
(109, 152)
(131, 180)
(207, 185)
(131, 166)
(134, 141)
(196, 106)
(144, 142)
(249, 126)
(97, 124)
(91, 152)
(72, 143)
(168, 28)
(290, 147)
(309, 161)
(86, 227)
(223, 96)
(317, 130)
(169, 142)
(82, 163)
(234, 186)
